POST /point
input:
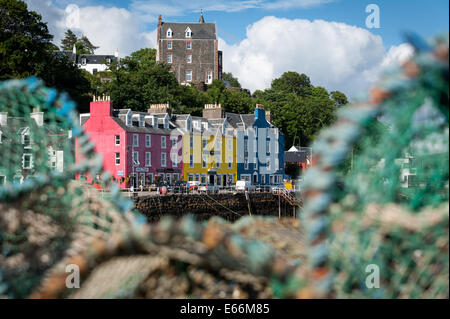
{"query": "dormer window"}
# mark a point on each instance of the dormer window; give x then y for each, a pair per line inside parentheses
(129, 120)
(188, 32)
(83, 61)
(108, 60)
(169, 33)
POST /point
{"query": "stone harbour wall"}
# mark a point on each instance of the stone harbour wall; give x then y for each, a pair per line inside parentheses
(228, 206)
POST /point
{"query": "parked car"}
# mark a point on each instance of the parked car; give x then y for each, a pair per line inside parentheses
(208, 188)
(243, 185)
(193, 185)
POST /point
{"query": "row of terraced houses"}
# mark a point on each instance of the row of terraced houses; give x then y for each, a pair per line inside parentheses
(143, 148)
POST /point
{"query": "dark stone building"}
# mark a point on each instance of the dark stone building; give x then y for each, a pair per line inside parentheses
(191, 49)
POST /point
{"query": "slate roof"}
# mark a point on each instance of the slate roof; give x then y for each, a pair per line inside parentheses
(199, 30)
(137, 129)
(90, 58)
(295, 157)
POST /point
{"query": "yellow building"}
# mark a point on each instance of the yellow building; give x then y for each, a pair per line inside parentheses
(209, 147)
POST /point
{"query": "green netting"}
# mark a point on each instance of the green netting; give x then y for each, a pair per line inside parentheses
(349, 220)
(391, 209)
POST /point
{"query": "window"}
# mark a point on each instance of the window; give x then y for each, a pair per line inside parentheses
(169, 58)
(189, 45)
(117, 139)
(163, 160)
(188, 75)
(176, 176)
(148, 140)
(230, 162)
(174, 142)
(204, 143)
(191, 142)
(263, 179)
(203, 161)
(245, 145)
(174, 158)
(148, 159)
(209, 77)
(27, 161)
(26, 140)
(117, 158)
(190, 177)
(218, 160)
(94, 71)
(245, 163)
(188, 58)
(230, 144)
(203, 180)
(163, 142)
(268, 146)
(169, 45)
(150, 178)
(135, 140)
(135, 158)
(169, 33)
(218, 144)
(188, 32)
(83, 61)
(2, 180)
(191, 160)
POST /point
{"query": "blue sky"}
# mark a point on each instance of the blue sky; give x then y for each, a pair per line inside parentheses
(423, 17)
(325, 39)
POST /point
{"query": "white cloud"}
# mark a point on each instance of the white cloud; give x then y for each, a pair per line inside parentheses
(334, 55)
(108, 28)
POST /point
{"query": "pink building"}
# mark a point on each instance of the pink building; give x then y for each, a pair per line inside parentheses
(138, 148)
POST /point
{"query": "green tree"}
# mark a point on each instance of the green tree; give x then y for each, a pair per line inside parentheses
(232, 80)
(83, 44)
(139, 81)
(26, 50)
(87, 45)
(339, 98)
(292, 82)
(24, 40)
(69, 40)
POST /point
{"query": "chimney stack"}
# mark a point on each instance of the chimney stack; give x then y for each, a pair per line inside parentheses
(213, 111)
(159, 108)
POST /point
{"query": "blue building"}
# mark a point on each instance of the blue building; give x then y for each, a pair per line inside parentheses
(260, 147)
